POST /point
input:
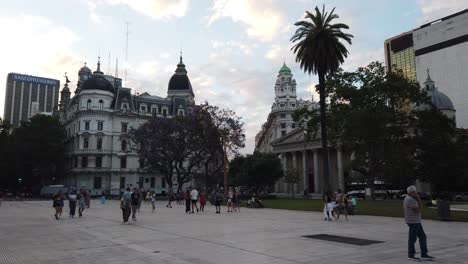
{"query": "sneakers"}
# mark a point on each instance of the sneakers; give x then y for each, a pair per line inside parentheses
(413, 258)
(427, 258)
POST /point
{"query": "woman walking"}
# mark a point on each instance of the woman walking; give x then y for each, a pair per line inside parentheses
(170, 198)
(237, 196)
(103, 197)
(202, 201)
(81, 203)
(187, 201)
(229, 200)
(218, 200)
(72, 203)
(153, 200)
(58, 204)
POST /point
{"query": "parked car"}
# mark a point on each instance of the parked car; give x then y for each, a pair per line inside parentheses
(461, 196)
(357, 194)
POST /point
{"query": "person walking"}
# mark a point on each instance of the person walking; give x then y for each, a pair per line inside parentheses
(87, 196)
(153, 200)
(125, 205)
(412, 210)
(178, 196)
(135, 200)
(328, 206)
(103, 197)
(81, 202)
(237, 196)
(140, 198)
(58, 204)
(202, 201)
(218, 200)
(170, 198)
(72, 203)
(346, 205)
(187, 201)
(229, 200)
(194, 199)
(339, 208)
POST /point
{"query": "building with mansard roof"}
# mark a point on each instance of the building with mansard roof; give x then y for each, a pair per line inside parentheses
(97, 118)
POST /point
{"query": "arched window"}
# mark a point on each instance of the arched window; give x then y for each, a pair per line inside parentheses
(88, 104)
(124, 145)
(124, 107)
(101, 105)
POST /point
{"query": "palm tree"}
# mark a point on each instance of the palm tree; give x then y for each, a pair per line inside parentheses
(318, 50)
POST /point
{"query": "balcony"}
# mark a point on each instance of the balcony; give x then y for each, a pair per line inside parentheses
(90, 151)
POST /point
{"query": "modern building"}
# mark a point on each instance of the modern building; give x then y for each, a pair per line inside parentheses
(28, 95)
(97, 119)
(442, 47)
(283, 136)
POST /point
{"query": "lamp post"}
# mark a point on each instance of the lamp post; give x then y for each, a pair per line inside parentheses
(304, 161)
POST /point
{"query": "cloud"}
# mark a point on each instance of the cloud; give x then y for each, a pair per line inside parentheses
(155, 9)
(40, 47)
(92, 13)
(234, 46)
(435, 9)
(361, 58)
(262, 19)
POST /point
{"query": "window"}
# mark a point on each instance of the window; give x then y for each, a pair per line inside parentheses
(98, 162)
(143, 109)
(99, 125)
(164, 112)
(163, 183)
(283, 125)
(97, 182)
(283, 115)
(84, 162)
(152, 183)
(125, 107)
(123, 162)
(101, 105)
(86, 143)
(142, 163)
(154, 111)
(124, 127)
(140, 182)
(283, 133)
(75, 162)
(181, 112)
(86, 125)
(122, 182)
(88, 104)
(99, 143)
(293, 125)
(124, 145)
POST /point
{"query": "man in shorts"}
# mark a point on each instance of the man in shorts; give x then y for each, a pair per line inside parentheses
(194, 198)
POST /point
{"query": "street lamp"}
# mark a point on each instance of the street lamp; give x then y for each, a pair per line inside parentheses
(304, 160)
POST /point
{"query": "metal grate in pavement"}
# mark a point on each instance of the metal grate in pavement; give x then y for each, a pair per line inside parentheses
(343, 239)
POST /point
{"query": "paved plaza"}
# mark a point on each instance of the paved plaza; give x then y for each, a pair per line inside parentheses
(30, 234)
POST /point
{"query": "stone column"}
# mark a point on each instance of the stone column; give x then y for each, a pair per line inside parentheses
(284, 164)
(304, 170)
(339, 161)
(316, 173)
(294, 165)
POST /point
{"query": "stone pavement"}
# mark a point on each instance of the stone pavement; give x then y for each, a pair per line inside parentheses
(30, 234)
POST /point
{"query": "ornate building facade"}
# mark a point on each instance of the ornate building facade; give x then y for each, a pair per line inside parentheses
(97, 119)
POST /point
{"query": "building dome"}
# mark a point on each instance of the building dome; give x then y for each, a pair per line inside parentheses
(180, 80)
(84, 70)
(438, 99)
(285, 70)
(98, 82)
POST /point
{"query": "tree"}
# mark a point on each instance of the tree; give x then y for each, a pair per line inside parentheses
(319, 50)
(258, 171)
(39, 150)
(291, 177)
(5, 155)
(155, 142)
(226, 128)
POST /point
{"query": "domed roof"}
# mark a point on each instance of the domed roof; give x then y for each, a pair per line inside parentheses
(285, 70)
(98, 82)
(84, 69)
(180, 80)
(438, 99)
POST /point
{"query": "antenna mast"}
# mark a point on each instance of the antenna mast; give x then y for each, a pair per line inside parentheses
(116, 67)
(108, 65)
(126, 55)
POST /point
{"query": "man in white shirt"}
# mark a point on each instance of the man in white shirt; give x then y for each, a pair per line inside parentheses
(194, 198)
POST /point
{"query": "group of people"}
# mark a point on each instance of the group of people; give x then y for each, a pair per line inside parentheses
(130, 202)
(82, 198)
(336, 204)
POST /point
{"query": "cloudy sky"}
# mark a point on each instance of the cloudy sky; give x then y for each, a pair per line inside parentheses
(233, 49)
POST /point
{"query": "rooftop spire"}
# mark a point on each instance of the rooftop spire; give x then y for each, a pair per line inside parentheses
(98, 70)
(181, 62)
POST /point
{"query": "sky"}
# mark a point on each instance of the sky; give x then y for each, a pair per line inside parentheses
(232, 49)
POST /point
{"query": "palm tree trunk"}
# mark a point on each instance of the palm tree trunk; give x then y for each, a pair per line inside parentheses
(323, 130)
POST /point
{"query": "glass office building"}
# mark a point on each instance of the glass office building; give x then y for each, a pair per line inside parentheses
(399, 54)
